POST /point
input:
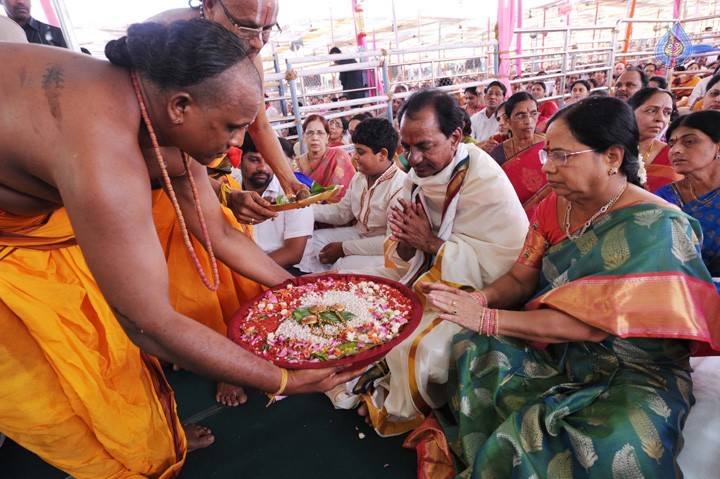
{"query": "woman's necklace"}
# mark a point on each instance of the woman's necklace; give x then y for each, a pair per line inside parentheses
(515, 150)
(310, 168)
(173, 198)
(602, 210)
(645, 157)
(692, 190)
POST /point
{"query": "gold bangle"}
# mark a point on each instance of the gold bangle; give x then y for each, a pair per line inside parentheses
(224, 195)
(283, 382)
(497, 324)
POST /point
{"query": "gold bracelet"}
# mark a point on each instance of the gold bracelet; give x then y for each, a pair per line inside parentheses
(224, 195)
(283, 382)
(482, 321)
(497, 324)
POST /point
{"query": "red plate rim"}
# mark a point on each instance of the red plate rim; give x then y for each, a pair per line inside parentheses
(357, 360)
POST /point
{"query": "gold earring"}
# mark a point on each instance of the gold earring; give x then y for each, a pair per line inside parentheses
(176, 121)
(612, 171)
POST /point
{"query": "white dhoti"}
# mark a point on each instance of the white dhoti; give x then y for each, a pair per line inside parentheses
(352, 262)
(483, 229)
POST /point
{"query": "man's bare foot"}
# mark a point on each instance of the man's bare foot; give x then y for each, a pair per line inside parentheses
(198, 436)
(230, 395)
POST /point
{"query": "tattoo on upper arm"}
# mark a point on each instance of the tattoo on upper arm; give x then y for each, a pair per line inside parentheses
(52, 84)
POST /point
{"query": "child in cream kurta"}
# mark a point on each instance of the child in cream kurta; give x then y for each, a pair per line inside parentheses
(368, 206)
(371, 192)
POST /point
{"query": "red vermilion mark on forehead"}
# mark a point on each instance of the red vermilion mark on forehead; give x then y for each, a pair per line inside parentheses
(265, 11)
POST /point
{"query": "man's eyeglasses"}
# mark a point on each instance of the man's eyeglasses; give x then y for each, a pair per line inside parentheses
(248, 33)
(559, 158)
(524, 116)
(315, 133)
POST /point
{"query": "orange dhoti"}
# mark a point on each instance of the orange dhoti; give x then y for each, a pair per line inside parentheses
(188, 295)
(73, 388)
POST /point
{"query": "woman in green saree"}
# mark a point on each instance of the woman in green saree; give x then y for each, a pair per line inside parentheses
(592, 378)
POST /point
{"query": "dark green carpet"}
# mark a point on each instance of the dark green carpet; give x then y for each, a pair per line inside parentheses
(299, 437)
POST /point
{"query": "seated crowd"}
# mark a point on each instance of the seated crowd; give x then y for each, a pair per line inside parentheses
(509, 128)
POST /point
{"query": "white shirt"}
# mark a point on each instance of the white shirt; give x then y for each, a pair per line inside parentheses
(270, 235)
(369, 206)
(271, 112)
(482, 126)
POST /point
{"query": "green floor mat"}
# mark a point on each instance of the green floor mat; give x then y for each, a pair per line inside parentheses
(299, 437)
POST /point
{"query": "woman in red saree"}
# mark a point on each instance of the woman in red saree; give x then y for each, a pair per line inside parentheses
(338, 131)
(653, 108)
(327, 166)
(518, 155)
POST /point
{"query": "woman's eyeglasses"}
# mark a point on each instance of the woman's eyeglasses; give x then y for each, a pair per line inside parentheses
(524, 116)
(315, 133)
(559, 158)
(248, 33)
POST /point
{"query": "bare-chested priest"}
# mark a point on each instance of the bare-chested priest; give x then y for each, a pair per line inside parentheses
(84, 304)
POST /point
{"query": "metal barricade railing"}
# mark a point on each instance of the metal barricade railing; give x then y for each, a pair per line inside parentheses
(558, 51)
(297, 70)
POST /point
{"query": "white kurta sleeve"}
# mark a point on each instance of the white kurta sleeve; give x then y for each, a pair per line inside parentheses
(339, 213)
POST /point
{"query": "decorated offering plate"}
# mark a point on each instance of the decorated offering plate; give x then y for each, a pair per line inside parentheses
(283, 203)
(328, 320)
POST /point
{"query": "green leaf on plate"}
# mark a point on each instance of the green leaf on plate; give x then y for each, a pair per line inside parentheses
(348, 348)
(320, 356)
(300, 313)
(329, 317)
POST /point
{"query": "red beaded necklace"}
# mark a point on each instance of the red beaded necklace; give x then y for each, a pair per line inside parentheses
(173, 198)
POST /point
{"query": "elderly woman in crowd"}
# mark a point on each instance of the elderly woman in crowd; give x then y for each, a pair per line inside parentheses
(518, 155)
(579, 89)
(338, 132)
(592, 378)
(327, 166)
(546, 108)
(694, 142)
(654, 109)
